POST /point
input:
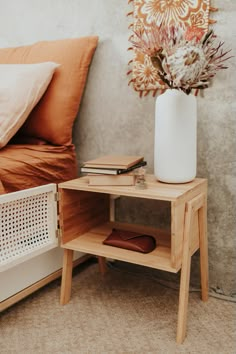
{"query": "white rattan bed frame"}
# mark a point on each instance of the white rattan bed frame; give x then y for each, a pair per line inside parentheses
(29, 253)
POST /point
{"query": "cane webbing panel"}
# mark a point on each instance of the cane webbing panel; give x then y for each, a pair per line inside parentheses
(27, 225)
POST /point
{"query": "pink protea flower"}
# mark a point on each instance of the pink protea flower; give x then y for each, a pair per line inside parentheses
(185, 59)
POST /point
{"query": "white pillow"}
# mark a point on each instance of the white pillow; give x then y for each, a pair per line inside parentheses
(21, 87)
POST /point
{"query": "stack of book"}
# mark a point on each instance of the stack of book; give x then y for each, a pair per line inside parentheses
(113, 170)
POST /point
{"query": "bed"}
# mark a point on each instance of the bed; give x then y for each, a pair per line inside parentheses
(36, 152)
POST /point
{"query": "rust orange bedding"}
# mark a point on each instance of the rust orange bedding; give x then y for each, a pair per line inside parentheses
(27, 166)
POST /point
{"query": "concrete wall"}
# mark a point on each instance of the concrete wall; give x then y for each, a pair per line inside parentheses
(113, 119)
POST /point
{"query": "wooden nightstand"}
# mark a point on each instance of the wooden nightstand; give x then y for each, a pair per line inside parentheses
(87, 217)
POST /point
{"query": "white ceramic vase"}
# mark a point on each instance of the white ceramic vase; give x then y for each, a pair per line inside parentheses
(175, 145)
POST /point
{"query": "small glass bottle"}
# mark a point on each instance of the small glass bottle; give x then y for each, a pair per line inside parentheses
(140, 182)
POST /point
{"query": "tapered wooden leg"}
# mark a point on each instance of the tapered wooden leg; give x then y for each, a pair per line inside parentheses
(203, 250)
(185, 277)
(196, 205)
(102, 265)
(66, 280)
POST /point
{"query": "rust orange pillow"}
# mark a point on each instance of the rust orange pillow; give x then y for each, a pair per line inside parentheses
(53, 117)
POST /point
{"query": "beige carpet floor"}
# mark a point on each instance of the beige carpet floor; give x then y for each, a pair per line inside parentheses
(121, 313)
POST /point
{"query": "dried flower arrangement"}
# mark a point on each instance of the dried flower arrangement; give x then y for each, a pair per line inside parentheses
(184, 59)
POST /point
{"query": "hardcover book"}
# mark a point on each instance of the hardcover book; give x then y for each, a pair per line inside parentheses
(125, 179)
(112, 170)
(114, 161)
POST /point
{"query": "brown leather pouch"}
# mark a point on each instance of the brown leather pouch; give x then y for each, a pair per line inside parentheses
(131, 241)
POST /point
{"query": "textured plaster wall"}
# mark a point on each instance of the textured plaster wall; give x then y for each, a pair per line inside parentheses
(113, 119)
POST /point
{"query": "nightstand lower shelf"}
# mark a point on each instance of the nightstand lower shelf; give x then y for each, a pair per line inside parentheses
(92, 242)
